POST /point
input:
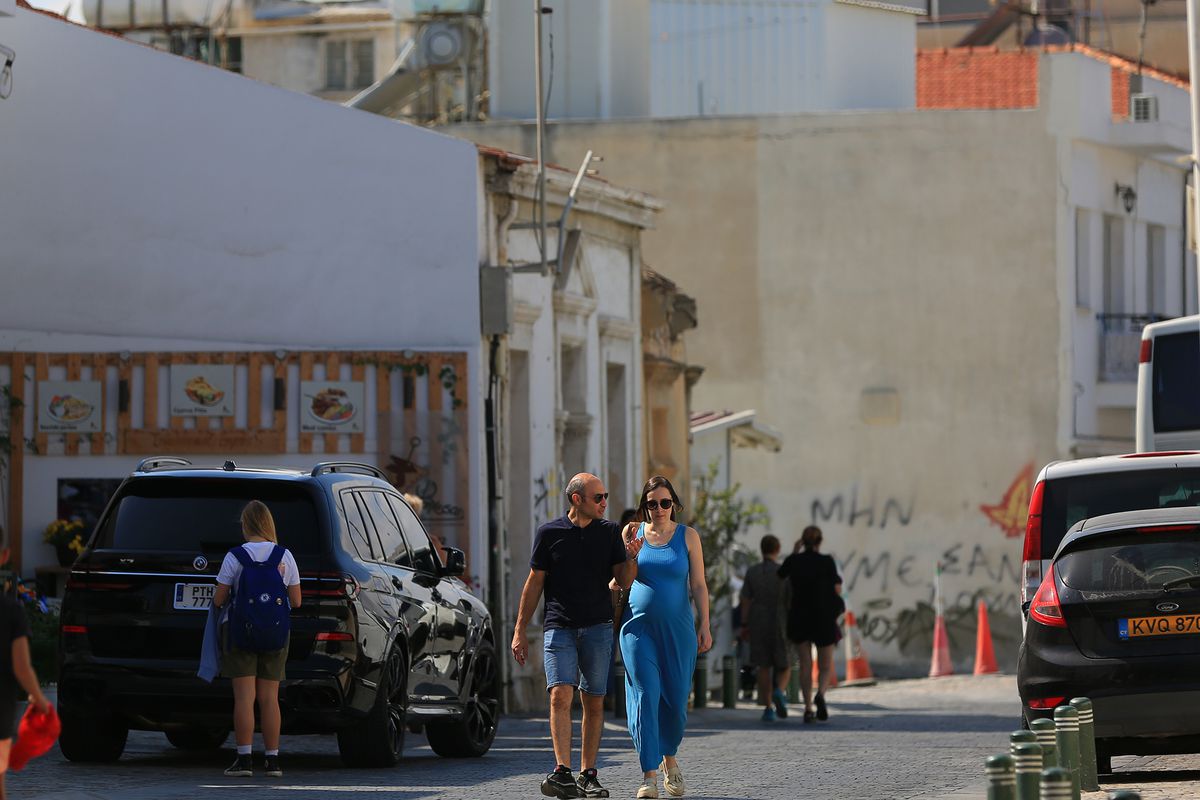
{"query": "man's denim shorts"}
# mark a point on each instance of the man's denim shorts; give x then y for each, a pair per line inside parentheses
(579, 657)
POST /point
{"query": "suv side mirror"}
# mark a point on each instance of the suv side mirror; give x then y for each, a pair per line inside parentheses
(456, 562)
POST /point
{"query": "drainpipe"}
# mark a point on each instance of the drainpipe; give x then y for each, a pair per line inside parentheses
(1183, 243)
(496, 580)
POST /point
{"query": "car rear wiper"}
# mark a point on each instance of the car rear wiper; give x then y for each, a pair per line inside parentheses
(1189, 580)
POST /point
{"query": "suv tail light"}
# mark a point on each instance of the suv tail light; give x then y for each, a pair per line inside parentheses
(329, 584)
(1047, 702)
(1045, 607)
(1032, 553)
(1146, 352)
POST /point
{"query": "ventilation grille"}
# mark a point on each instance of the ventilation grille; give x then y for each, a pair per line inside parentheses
(1143, 108)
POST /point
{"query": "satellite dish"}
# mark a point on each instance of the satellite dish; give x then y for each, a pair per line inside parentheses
(1047, 34)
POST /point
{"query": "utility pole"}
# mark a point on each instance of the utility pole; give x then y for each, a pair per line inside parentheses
(541, 129)
(1193, 24)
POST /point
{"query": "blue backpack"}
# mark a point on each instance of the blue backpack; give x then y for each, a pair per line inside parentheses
(260, 617)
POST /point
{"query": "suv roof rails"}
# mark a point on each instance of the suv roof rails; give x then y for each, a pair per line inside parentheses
(154, 462)
(348, 466)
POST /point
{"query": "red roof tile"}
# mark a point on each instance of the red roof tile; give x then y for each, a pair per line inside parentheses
(970, 78)
(973, 78)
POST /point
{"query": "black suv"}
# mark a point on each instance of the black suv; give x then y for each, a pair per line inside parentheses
(386, 637)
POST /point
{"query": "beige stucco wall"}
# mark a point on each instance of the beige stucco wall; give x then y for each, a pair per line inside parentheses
(881, 288)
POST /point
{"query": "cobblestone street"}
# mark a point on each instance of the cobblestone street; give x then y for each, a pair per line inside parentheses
(898, 740)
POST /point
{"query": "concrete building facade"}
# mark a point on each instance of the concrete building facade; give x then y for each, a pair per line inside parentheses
(895, 292)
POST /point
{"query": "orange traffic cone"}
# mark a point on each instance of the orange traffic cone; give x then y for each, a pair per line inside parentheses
(940, 664)
(985, 656)
(858, 671)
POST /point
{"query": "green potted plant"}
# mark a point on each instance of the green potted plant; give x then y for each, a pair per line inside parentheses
(66, 536)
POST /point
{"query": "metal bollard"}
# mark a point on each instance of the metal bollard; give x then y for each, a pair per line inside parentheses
(1027, 759)
(1124, 794)
(700, 682)
(619, 690)
(793, 693)
(1046, 731)
(1020, 737)
(1056, 784)
(729, 682)
(1089, 779)
(1066, 720)
(1001, 783)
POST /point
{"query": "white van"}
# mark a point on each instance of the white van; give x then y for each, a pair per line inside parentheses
(1168, 398)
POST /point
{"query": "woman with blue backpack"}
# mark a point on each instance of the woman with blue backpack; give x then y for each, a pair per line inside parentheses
(260, 582)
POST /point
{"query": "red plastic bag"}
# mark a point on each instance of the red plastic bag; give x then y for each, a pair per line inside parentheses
(36, 734)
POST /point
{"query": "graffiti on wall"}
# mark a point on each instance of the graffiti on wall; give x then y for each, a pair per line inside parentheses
(889, 580)
(1012, 511)
(869, 511)
(545, 493)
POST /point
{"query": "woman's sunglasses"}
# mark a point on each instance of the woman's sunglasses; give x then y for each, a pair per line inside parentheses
(664, 504)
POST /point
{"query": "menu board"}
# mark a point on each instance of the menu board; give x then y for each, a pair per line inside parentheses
(202, 390)
(69, 407)
(331, 406)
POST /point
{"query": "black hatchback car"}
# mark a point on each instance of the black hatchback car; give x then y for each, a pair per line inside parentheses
(1117, 619)
(386, 637)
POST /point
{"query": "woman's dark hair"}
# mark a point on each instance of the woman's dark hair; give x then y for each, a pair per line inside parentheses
(658, 481)
(810, 539)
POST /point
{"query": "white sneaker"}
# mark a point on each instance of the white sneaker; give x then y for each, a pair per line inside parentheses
(649, 788)
(673, 780)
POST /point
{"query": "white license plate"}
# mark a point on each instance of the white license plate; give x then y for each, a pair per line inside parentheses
(197, 596)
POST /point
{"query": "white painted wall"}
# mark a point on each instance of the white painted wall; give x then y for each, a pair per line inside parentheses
(600, 50)
(870, 58)
(1094, 155)
(152, 202)
(671, 58)
(246, 213)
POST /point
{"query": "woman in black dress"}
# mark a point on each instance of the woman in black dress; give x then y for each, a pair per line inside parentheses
(814, 607)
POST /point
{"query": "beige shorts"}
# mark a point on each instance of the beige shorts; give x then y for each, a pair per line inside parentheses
(237, 663)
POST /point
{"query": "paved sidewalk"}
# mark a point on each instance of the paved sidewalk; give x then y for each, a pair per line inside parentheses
(898, 740)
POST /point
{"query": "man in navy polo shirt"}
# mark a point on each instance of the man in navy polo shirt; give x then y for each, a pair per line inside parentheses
(574, 558)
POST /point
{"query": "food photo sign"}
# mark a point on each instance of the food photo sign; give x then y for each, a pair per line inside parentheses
(202, 390)
(69, 407)
(331, 406)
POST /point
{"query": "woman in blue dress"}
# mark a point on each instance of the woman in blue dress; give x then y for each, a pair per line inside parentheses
(661, 638)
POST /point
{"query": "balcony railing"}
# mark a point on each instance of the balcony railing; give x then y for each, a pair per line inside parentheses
(1120, 342)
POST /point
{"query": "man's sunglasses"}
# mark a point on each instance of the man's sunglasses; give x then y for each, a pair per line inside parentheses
(664, 504)
(597, 498)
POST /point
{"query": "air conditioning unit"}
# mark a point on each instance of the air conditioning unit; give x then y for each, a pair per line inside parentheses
(1143, 108)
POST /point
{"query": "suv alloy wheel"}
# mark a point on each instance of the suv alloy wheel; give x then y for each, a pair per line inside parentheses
(471, 735)
(378, 740)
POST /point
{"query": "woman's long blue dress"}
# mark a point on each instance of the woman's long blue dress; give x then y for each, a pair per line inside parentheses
(658, 646)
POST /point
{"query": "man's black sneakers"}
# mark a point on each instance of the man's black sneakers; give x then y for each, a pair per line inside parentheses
(242, 768)
(272, 768)
(589, 784)
(561, 784)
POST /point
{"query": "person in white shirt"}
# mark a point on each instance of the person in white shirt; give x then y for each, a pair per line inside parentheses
(256, 676)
